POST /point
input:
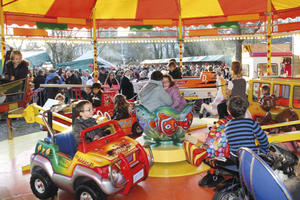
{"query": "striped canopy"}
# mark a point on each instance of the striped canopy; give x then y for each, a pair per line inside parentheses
(124, 13)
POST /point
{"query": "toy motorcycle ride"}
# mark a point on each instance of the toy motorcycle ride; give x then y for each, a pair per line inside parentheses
(231, 187)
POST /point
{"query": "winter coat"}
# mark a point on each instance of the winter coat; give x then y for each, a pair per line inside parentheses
(50, 76)
(176, 74)
(127, 88)
(20, 72)
(52, 91)
(178, 100)
(113, 86)
(95, 99)
(81, 124)
(74, 79)
(153, 95)
(38, 80)
(120, 113)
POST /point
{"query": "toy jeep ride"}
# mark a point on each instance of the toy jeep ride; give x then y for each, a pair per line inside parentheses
(108, 165)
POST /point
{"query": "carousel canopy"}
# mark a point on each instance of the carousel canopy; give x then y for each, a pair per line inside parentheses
(62, 14)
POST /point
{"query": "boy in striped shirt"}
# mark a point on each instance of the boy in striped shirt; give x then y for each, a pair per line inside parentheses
(241, 131)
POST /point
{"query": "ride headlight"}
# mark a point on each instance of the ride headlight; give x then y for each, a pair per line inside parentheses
(117, 178)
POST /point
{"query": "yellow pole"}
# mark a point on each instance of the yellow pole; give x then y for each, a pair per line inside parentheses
(180, 39)
(3, 48)
(269, 39)
(95, 69)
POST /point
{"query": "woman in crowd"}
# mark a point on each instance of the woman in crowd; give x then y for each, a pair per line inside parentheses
(16, 67)
(236, 87)
(126, 85)
(112, 83)
(170, 87)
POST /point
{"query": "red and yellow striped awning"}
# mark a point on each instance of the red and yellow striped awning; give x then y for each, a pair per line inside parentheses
(116, 13)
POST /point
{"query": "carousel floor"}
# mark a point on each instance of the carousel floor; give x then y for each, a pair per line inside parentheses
(15, 154)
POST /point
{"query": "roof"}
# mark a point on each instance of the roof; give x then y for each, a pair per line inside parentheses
(214, 58)
(116, 13)
(283, 80)
(273, 54)
(85, 61)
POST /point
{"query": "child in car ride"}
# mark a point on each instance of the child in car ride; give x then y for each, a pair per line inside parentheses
(85, 120)
(121, 107)
(96, 95)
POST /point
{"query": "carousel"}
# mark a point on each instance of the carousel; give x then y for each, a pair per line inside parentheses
(164, 154)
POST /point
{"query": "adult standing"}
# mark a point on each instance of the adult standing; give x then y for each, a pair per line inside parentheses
(39, 79)
(102, 75)
(16, 68)
(112, 83)
(126, 86)
(52, 74)
(174, 71)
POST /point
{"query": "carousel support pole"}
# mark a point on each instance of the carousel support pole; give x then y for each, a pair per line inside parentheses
(3, 47)
(180, 41)
(95, 68)
(269, 37)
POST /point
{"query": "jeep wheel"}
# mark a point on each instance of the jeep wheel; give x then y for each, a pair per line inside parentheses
(136, 130)
(42, 186)
(89, 191)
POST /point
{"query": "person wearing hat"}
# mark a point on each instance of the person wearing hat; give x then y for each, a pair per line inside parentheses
(174, 71)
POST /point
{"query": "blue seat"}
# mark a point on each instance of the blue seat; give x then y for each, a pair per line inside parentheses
(65, 143)
(259, 179)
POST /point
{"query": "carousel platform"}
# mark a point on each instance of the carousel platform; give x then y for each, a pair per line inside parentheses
(175, 179)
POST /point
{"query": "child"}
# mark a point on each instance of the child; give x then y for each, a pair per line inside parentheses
(85, 120)
(237, 87)
(265, 90)
(241, 131)
(60, 97)
(96, 95)
(153, 95)
(121, 107)
(170, 87)
(16, 68)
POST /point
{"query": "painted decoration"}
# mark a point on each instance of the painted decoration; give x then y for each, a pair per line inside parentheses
(165, 123)
(216, 142)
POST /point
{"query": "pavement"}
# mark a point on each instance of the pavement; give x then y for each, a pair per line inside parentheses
(19, 126)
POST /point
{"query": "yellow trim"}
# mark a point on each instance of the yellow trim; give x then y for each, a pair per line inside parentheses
(176, 169)
(284, 137)
(66, 20)
(2, 35)
(95, 69)
(269, 39)
(281, 124)
(168, 153)
(13, 106)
